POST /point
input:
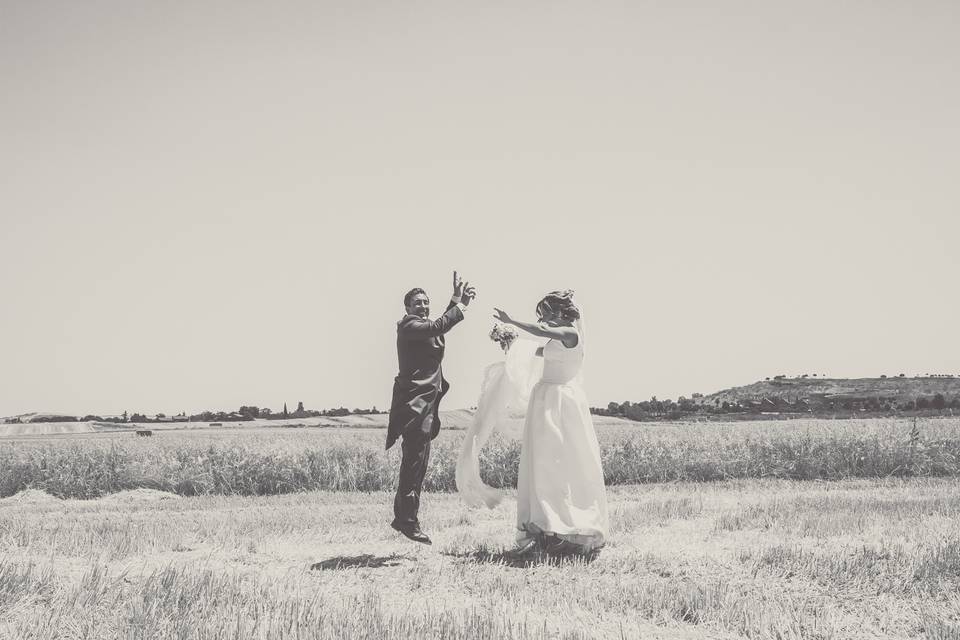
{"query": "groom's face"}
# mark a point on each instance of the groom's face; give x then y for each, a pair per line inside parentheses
(419, 306)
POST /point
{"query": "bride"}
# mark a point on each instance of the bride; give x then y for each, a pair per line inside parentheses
(561, 500)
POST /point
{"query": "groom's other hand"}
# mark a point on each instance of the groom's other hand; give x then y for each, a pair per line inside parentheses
(469, 293)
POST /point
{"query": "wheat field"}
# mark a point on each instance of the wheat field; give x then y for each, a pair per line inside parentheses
(259, 461)
(774, 556)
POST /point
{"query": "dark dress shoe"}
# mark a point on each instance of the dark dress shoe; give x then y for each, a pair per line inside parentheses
(557, 546)
(413, 532)
(526, 547)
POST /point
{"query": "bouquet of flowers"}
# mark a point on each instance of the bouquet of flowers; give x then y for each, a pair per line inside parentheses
(504, 334)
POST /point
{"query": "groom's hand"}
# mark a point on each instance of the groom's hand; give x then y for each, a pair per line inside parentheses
(469, 293)
(457, 285)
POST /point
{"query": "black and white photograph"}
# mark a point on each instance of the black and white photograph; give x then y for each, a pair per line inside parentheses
(479, 320)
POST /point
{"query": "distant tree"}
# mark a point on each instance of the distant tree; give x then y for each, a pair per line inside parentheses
(125, 418)
(923, 403)
(634, 412)
(285, 414)
(265, 412)
(300, 409)
(902, 375)
(939, 402)
(249, 412)
(883, 375)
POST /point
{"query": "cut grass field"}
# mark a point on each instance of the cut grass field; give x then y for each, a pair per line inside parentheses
(740, 558)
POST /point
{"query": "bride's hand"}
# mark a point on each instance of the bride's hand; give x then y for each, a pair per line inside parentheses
(502, 316)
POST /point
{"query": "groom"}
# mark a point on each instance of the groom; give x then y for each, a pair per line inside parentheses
(417, 390)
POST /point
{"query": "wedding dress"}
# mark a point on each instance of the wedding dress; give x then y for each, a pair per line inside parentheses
(560, 489)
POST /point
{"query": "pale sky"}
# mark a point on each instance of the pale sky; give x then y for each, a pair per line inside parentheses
(209, 204)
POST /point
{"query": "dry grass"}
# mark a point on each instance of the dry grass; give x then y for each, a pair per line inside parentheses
(740, 558)
(277, 461)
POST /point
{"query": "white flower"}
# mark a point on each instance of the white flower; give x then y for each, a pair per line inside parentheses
(503, 334)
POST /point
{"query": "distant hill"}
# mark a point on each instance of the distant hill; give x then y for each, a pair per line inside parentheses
(823, 397)
(41, 416)
(827, 391)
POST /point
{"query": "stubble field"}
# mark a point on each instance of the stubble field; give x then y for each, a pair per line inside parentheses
(843, 554)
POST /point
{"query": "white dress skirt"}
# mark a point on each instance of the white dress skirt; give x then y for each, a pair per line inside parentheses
(560, 489)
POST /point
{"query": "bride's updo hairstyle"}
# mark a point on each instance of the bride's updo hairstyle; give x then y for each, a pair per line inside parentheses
(560, 303)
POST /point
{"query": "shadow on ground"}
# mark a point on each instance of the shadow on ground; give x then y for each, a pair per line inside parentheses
(510, 558)
(367, 560)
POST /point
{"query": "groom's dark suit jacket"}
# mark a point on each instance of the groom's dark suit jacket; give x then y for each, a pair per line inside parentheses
(418, 387)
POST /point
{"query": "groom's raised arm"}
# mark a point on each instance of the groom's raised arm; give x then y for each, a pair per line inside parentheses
(456, 301)
(414, 328)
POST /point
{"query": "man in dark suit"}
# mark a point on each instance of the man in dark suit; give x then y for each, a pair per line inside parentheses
(417, 390)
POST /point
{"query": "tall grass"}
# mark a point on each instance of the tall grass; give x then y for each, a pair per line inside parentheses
(250, 464)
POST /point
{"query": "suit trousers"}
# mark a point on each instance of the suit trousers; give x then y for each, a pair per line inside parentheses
(413, 467)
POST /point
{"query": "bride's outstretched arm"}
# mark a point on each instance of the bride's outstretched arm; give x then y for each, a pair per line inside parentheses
(567, 335)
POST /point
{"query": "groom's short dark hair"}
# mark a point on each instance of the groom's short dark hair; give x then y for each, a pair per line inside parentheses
(416, 291)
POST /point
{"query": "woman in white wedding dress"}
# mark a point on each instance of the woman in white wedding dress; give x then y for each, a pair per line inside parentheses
(561, 498)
